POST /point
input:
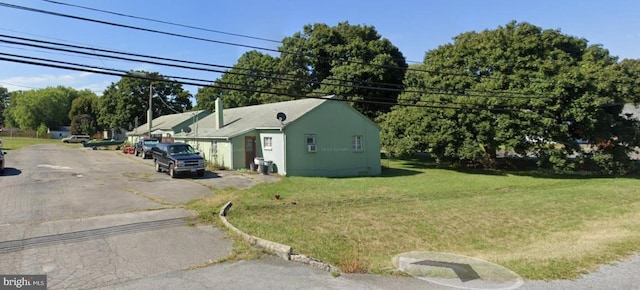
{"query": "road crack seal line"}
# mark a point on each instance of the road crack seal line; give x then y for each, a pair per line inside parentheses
(54, 166)
(86, 235)
(151, 198)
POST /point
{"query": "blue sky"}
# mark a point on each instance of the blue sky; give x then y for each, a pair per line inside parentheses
(413, 26)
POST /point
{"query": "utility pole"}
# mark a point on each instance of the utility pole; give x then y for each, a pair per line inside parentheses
(150, 113)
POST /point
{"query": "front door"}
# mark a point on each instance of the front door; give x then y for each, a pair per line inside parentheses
(249, 150)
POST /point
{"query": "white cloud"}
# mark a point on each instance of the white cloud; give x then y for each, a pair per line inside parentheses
(43, 81)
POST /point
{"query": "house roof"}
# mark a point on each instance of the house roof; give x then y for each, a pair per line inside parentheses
(166, 122)
(238, 121)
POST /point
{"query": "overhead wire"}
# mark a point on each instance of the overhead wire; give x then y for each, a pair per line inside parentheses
(193, 81)
(217, 41)
(254, 47)
(400, 87)
(164, 22)
(132, 27)
(470, 93)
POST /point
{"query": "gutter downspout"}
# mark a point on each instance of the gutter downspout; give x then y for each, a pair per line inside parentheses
(231, 154)
(284, 148)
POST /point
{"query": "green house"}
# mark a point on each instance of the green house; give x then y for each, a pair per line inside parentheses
(306, 137)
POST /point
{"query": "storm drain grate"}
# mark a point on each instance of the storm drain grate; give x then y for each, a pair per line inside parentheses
(79, 236)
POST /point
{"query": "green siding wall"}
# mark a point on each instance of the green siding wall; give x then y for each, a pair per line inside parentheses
(238, 149)
(215, 152)
(334, 124)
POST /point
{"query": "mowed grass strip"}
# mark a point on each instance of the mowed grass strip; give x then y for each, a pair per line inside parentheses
(15, 143)
(541, 227)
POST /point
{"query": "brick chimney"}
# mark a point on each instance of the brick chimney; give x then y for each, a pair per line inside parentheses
(219, 116)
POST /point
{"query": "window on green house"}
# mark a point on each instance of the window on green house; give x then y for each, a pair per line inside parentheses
(310, 141)
(356, 143)
(267, 143)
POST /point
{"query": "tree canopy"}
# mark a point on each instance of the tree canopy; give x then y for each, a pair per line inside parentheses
(246, 84)
(125, 104)
(629, 82)
(351, 61)
(4, 102)
(84, 114)
(518, 89)
(46, 108)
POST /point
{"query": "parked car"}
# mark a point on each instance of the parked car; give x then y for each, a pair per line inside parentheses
(177, 158)
(2, 161)
(143, 147)
(76, 139)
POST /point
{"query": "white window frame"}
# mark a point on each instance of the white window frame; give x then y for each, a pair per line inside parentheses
(267, 143)
(308, 145)
(356, 143)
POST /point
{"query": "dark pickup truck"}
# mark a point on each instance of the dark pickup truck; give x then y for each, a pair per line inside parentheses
(143, 147)
(177, 158)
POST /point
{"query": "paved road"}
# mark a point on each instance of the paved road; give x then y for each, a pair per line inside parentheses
(100, 219)
(97, 218)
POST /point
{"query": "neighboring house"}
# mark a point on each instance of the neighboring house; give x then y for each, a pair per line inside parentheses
(167, 126)
(318, 137)
(59, 132)
(631, 110)
(115, 133)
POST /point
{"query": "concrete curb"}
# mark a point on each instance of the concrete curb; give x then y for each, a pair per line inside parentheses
(284, 251)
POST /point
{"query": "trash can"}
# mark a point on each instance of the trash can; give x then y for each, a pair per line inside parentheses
(258, 161)
(266, 167)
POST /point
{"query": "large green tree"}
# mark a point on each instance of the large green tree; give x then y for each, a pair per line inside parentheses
(31, 109)
(84, 114)
(351, 61)
(4, 102)
(629, 83)
(519, 88)
(251, 81)
(125, 104)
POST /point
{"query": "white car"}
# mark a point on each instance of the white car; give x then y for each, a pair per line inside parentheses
(76, 139)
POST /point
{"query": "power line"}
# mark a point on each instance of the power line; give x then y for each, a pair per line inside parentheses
(164, 22)
(181, 35)
(470, 93)
(131, 27)
(191, 81)
(166, 64)
(15, 85)
(177, 24)
(227, 43)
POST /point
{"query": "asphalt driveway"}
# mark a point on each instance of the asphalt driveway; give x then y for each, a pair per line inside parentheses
(95, 218)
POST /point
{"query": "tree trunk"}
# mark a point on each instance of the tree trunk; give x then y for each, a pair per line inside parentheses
(489, 159)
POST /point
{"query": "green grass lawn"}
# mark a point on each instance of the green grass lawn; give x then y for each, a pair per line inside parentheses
(541, 227)
(15, 143)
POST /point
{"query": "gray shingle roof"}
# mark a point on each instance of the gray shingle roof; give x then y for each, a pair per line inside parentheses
(240, 120)
(166, 122)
